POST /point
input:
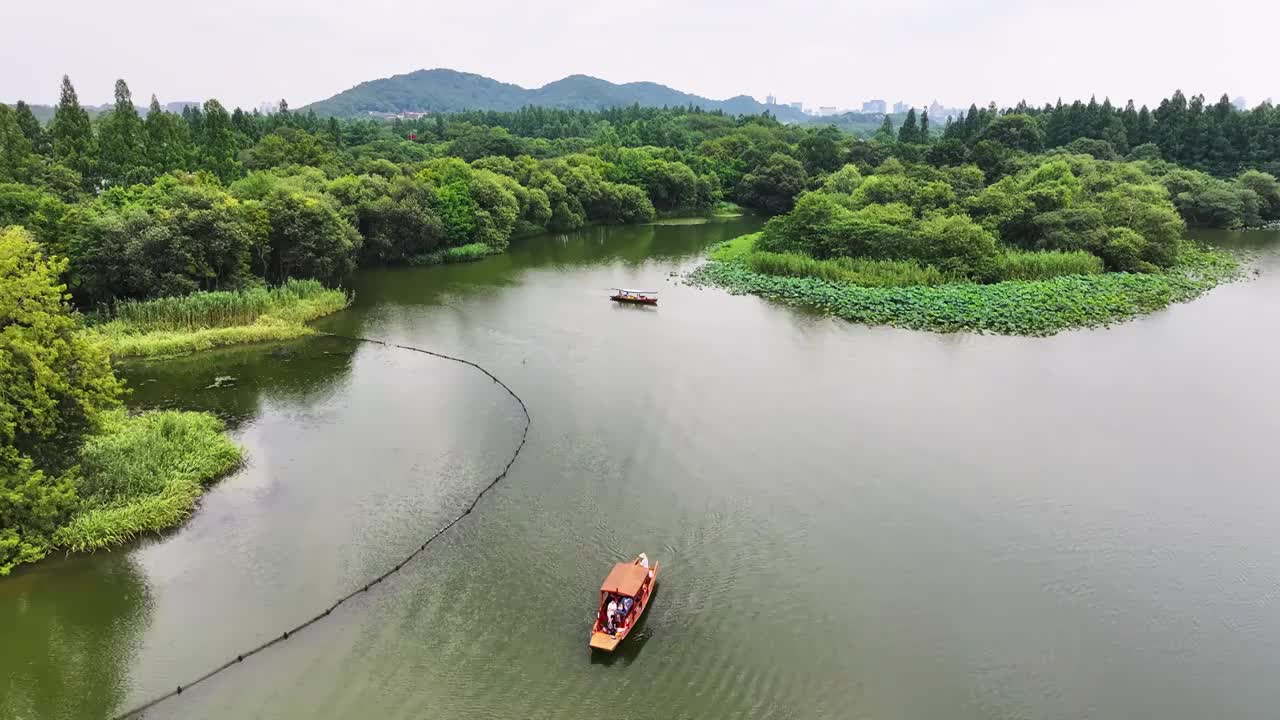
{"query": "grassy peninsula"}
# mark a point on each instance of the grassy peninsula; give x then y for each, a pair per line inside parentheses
(171, 326)
(143, 474)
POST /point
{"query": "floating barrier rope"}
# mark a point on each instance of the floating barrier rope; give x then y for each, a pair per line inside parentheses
(524, 435)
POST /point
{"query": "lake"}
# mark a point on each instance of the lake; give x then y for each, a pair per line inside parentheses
(852, 522)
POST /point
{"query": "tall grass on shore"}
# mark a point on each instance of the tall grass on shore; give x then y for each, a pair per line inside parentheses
(1046, 264)
(145, 474)
(177, 325)
(218, 309)
(461, 253)
(858, 271)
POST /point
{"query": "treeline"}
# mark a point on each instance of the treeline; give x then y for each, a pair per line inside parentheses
(164, 203)
(1214, 137)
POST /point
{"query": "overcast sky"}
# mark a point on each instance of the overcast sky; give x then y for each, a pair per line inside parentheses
(821, 52)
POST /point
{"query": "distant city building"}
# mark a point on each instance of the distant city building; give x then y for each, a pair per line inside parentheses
(875, 106)
(901, 107)
(828, 110)
(268, 107)
(403, 115)
(770, 99)
(936, 110)
(797, 106)
(1239, 103)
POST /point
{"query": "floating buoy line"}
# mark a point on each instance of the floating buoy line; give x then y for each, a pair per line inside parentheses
(367, 585)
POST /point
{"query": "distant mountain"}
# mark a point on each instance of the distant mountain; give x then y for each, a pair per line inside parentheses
(442, 90)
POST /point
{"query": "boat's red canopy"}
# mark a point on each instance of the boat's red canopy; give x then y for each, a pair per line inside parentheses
(625, 579)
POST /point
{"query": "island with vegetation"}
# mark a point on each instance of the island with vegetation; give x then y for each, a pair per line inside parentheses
(985, 230)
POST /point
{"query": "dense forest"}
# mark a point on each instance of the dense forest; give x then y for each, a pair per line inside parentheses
(165, 204)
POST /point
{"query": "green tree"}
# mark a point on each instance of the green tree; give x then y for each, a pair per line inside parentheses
(56, 380)
(32, 128)
(885, 133)
(219, 152)
(1265, 186)
(308, 238)
(39, 211)
(121, 142)
(177, 236)
(1018, 132)
(16, 155)
(168, 141)
(821, 150)
(909, 132)
(956, 245)
(774, 186)
(56, 385)
(74, 144)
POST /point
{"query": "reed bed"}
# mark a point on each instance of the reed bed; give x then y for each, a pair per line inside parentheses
(1046, 264)
(461, 253)
(858, 271)
(216, 309)
(144, 474)
(178, 325)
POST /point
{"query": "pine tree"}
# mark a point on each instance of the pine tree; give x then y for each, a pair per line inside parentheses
(16, 155)
(168, 140)
(924, 126)
(73, 142)
(885, 133)
(335, 132)
(909, 132)
(972, 124)
(218, 151)
(122, 155)
(32, 128)
(1144, 133)
(243, 124)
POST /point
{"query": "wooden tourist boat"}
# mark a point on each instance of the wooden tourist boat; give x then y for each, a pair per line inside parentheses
(636, 297)
(627, 580)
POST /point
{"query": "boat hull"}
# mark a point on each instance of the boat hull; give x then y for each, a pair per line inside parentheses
(634, 300)
(603, 641)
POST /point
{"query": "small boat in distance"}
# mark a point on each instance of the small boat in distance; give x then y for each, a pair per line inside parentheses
(637, 297)
(629, 586)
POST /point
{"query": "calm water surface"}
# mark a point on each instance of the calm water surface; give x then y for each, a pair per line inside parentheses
(853, 522)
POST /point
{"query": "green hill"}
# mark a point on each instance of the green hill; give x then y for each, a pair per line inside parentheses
(442, 90)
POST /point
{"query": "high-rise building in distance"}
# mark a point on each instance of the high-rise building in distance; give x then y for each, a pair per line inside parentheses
(875, 106)
(901, 107)
(770, 99)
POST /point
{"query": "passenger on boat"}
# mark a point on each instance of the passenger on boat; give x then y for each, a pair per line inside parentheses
(611, 611)
(626, 607)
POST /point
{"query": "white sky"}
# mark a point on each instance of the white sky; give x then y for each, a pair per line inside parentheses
(821, 52)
